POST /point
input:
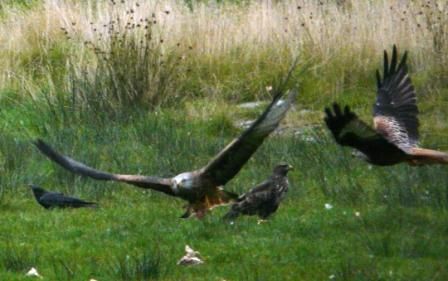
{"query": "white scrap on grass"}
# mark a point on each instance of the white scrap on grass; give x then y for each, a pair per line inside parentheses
(357, 214)
(33, 273)
(190, 258)
(328, 206)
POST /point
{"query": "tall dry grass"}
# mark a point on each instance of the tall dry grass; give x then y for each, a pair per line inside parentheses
(346, 34)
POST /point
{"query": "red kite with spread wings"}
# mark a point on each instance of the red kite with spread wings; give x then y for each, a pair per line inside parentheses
(202, 188)
(394, 136)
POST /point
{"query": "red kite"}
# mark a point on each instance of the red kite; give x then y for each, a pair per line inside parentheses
(202, 188)
(394, 136)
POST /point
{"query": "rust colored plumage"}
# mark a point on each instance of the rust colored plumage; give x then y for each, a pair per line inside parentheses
(394, 136)
(202, 188)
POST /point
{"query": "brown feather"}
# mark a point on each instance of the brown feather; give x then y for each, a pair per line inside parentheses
(396, 101)
(201, 188)
(229, 161)
(394, 136)
(423, 156)
(155, 183)
(392, 131)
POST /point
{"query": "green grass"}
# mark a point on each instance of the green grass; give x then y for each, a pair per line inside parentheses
(400, 232)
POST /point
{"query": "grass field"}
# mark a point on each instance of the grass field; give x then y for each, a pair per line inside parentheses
(155, 91)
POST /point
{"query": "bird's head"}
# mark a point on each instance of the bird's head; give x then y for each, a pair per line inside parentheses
(183, 181)
(282, 169)
(37, 191)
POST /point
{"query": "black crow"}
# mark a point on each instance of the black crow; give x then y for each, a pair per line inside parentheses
(51, 200)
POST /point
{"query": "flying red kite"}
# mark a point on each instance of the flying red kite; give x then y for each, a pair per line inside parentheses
(202, 188)
(394, 136)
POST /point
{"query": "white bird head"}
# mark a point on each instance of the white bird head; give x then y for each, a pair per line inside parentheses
(184, 181)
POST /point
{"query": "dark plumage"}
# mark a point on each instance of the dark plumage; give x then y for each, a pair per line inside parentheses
(57, 200)
(263, 199)
(394, 137)
(202, 188)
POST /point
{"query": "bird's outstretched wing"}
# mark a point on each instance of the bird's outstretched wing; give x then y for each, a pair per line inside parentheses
(155, 183)
(346, 127)
(224, 166)
(395, 109)
(349, 130)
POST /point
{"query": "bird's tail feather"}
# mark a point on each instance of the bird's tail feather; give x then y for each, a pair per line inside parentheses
(91, 205)
(84, 204)
(220, 197)
(226, 197)
(208, 202)
(428, 156)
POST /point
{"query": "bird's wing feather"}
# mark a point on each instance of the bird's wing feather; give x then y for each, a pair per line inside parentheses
(346, 124)
(224, 166)
(349, 130)
(396, 103)
(264, 186)
(155, 183)
(257, 196)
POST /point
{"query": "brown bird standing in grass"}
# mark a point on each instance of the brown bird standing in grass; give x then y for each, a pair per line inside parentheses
(264, 199)
(394, 137)
(202, 188)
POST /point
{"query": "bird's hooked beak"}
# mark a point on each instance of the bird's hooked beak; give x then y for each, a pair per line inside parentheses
(290, 167)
